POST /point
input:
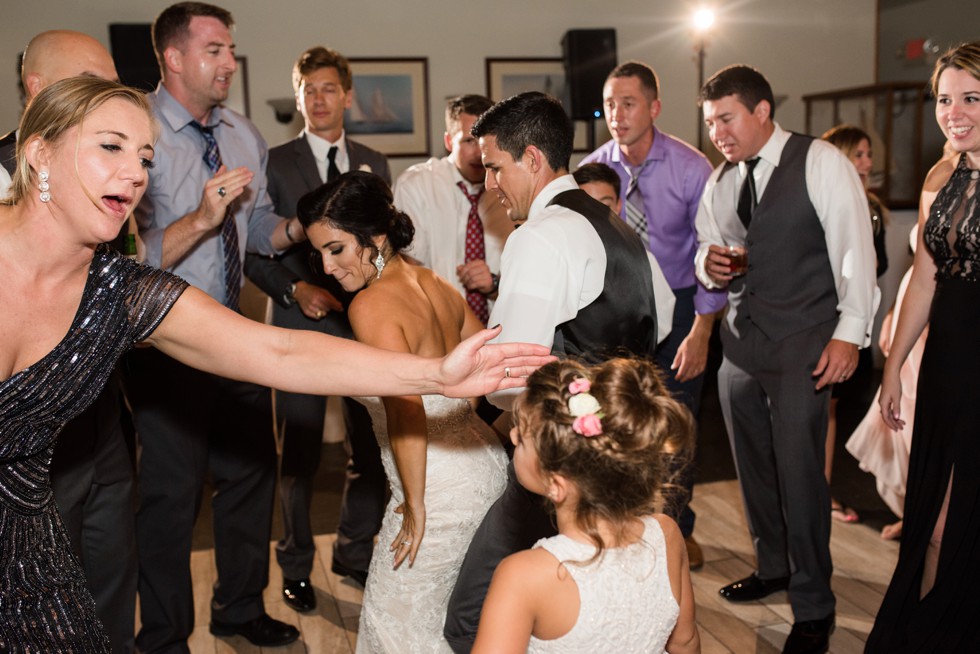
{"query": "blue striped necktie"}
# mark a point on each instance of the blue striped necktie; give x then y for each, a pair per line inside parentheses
(229, 230)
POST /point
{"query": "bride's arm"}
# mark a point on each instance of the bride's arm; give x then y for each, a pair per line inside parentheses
(377, 323)
(407, 434)
(205, 335)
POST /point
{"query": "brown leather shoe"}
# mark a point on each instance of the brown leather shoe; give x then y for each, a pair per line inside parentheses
(695, 557)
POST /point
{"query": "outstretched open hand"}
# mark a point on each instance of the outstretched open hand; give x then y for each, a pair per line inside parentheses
(475, 368)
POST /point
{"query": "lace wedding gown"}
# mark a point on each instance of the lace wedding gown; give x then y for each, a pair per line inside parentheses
(466, 469)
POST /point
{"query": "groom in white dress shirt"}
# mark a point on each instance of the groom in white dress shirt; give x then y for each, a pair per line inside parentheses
(573, 277)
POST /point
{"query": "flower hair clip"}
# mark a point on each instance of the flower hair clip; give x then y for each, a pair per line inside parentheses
(583, 406)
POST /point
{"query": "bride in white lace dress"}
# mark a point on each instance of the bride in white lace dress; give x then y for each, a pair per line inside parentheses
(445, 466)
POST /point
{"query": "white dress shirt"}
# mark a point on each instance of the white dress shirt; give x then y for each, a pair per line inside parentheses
(5, 182)
(553, 266)
(321, 147)
(840, 202)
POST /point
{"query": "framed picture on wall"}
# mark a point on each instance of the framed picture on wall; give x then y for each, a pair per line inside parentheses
(238, 92)
(510, 76)
(390, 107)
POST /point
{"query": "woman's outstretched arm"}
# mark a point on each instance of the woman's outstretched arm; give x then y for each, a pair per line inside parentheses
(203, 334)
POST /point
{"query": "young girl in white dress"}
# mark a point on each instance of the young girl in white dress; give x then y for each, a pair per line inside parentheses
(595, 441)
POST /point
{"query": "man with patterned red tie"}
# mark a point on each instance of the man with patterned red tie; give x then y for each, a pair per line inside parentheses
(459, 230)
(206, 205)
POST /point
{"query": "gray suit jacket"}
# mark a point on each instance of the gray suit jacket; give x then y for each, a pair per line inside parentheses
(292, 173)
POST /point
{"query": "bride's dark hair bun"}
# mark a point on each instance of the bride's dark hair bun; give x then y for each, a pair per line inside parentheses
(361, 204)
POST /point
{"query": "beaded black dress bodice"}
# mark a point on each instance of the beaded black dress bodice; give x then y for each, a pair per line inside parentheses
(952, 230)
(44, 603)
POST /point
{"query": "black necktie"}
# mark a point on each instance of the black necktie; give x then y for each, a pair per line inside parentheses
(332, 170)
(747, 198)
(229, 230)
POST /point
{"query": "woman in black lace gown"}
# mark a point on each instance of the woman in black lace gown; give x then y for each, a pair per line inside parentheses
(931, 604)
(70, 307)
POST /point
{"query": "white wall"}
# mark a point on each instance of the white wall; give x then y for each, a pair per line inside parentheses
(803, 46)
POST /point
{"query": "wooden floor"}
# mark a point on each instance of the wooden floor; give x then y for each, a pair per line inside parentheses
(863, 564)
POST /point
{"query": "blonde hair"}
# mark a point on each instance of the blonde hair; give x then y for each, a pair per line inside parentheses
(623, 472)
(57, 109)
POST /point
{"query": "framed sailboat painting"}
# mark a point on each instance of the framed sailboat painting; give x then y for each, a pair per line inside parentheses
(390, 107)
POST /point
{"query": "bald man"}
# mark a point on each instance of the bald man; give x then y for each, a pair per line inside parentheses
(92, 471)
(51, 57)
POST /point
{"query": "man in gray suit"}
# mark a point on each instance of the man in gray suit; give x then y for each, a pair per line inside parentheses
(796, 320)
(306, 298)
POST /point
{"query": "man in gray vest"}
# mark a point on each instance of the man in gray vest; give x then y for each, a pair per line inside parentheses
(797, 317)
(574, 277)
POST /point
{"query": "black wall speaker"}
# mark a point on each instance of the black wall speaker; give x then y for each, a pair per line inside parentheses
(132, 50)
(589, 56)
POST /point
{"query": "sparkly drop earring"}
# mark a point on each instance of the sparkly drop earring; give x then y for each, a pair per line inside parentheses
(43, 186)
(379, 263)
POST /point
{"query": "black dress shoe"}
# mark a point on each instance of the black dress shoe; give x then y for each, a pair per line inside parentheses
(360, 576)
(752, 588)
(298, 594)
(810, 636)
(263, 631)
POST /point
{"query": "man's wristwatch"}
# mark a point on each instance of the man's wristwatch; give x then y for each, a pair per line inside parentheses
(496, 283)
(288, 298)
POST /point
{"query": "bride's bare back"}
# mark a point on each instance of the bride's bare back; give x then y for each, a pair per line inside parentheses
(411, 309)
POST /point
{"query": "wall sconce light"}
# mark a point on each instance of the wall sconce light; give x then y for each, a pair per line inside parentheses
(284, 108)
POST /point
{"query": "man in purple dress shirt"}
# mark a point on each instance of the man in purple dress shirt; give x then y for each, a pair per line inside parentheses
(662, 180)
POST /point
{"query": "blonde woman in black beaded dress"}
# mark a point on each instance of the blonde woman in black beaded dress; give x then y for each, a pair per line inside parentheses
(931, 605)
(70, 307)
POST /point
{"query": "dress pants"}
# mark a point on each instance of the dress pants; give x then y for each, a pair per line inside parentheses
(190, 424)
(92, 480)
(777, 425)
(515, 522)
(677, 504)
(363, 503)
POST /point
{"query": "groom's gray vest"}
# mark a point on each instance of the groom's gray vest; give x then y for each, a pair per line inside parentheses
(789, 286)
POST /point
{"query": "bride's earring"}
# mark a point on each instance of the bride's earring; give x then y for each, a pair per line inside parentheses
(43, 186)
(379, 263)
